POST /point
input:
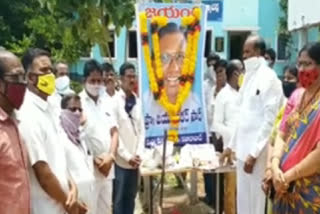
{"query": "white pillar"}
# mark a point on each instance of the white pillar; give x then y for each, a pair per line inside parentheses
(303, 37)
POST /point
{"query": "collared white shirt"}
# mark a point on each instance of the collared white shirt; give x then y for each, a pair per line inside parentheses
(80, 166)
(209, 88)
(97, 130)
(55, 102)
(259, 102)
(111, 102)
(43, 137)
(131, 131)
(226, 113)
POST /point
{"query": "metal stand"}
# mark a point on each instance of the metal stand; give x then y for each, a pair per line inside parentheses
(163, 171)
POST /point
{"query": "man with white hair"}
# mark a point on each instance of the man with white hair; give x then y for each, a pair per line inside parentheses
(259, 102)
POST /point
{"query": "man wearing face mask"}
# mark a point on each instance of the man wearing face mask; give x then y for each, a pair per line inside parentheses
(61, 72)
(209, 83)
(259, 102)
(100, 134)
(52, 188)
(270, 57)
(14, 179)
(80, 161)
(62, 79)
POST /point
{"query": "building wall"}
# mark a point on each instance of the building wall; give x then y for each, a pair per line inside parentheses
(259, 16)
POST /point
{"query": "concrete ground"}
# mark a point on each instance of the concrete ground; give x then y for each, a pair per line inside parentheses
(176, 200)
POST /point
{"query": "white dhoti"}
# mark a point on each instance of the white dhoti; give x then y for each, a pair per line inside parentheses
(104, 196)
(250, 197)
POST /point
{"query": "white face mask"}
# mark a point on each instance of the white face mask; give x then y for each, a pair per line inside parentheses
(251, 64)
(103, 89)
(62, 84)
(93, 90)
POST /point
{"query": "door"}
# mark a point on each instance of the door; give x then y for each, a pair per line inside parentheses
(236, 41)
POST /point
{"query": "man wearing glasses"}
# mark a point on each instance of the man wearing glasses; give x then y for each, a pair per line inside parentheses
(14, 179)
(172, 43)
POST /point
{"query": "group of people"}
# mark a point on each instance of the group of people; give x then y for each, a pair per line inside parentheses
(62, 152)
(66, 153)
(270, 127)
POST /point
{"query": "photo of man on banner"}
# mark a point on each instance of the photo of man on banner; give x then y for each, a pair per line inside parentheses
(170, 56)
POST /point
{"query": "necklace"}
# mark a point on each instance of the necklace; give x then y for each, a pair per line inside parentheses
(302, 106)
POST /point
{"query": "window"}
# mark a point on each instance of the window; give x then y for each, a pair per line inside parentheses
(208, 43)
(132, 44)
(219, 44)
(281, 47)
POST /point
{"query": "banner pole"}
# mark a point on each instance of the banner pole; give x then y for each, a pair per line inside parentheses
(163, 172)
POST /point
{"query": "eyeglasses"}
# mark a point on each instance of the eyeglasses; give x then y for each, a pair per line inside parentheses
(15, 78)
(167, 58)
(303, 64)
(74, 109)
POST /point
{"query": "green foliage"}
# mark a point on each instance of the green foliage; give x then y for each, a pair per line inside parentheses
(76, 86)
(25, 24)
(91, 19)
(67, 28)
(283, 31)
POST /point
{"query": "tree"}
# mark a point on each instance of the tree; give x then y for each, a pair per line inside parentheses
(284, 33)
(91, 19)
(25, 24)
(67, 28)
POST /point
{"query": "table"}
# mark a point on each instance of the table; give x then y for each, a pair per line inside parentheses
(150, 174)
(193, 189)
(218, 171)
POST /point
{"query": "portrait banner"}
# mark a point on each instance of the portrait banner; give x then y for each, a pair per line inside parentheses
(171, 41)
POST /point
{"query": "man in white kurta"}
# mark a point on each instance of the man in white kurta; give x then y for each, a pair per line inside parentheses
(98, 139)
(225, 118)
(49, 179)
(259, 102)
(42, 136)
(100, 134)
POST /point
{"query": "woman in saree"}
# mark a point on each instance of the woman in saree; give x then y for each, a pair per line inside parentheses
(296, 156)
(291, 97)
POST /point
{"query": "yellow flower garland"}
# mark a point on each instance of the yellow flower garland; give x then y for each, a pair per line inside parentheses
(188, 68)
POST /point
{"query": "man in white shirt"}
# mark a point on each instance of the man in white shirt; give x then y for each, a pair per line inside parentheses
(52, 190)
(100, 134)
(62, 83)
(109, 92)
(80, 160)
(210, 83)
(260, 97)
(131, 140)
(209, 179)
(225, 118)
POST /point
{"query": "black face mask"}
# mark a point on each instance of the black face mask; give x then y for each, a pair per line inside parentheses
(288, 88)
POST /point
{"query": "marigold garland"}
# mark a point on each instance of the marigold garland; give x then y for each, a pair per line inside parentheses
(192, 23)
